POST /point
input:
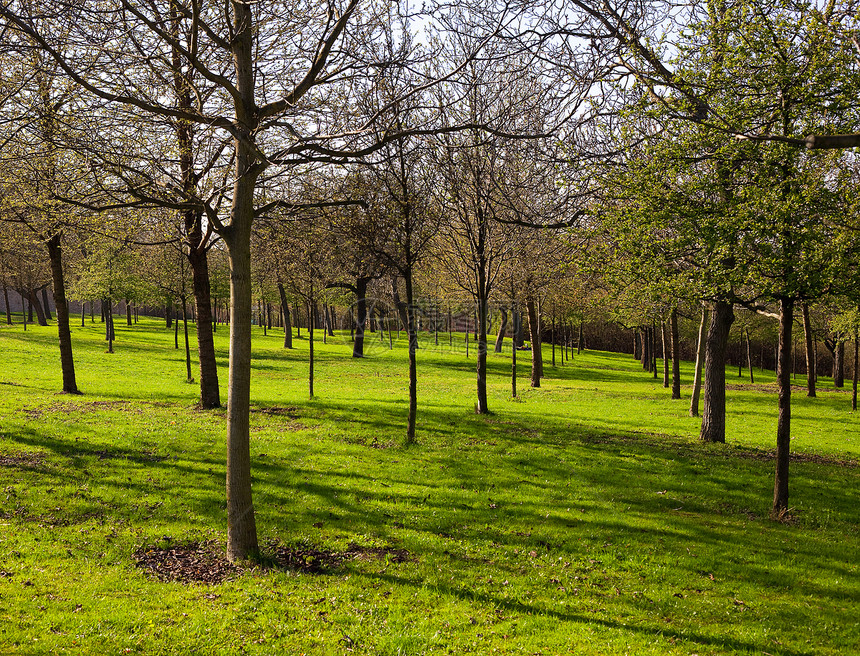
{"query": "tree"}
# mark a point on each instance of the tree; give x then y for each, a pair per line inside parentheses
(273, 73)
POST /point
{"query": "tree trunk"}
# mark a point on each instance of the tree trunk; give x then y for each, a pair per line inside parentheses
(107, 304)
(839, 365)
(241, 522)
(637, 345)
(412, 332)
(35, 304)
(168, 315)
(810, 352)
(665, 354)
(645, 355)
(482, 311)
(128, 320)
(23, 308)
(676, 354)
(361, 317)
(188, 377)
(311, 321)
(402, 308)
(175, 330)
(749, 357)
(580, 341)
(45, 304)
(854, 373)
(553, 341)
(285, 308)
(653, 330)
(514, 316)
(67, 361)
(535, 336)
(210, 394)
(700, 359)
(518, 330)
(783, 430)
(714, 414)
(6, 298)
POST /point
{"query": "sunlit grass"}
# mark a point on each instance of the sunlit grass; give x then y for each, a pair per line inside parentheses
(583, 517)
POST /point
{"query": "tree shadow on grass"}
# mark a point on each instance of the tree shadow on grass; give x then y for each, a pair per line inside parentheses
(521, 608)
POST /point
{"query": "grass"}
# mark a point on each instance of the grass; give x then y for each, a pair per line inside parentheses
(584, 517)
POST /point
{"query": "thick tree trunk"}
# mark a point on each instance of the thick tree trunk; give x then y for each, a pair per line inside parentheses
(36, 305)
(714, 414)
(700, 359)
(288, 327)
(241, 522)
(783, 430)
(361, 317)
(210, 394)
(637, 345)
(645, 360)
(810, 351)
(128, 320)
(535, 336)
(67, 361)
(839, 365)
(676, 355)
(412, 332)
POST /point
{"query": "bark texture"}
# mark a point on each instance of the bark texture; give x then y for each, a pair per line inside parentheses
(67, 360)
(535, 336)
(714, 415)
(783, 429)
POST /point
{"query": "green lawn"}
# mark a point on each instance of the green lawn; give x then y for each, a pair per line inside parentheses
(582, 518)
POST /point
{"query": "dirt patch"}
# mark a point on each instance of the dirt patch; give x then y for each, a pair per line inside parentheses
(192, 562)
(206, 562)
(86, 407)
(21, 459)
(275, 411)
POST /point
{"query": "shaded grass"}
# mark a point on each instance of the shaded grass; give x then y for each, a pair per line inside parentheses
(584, 518)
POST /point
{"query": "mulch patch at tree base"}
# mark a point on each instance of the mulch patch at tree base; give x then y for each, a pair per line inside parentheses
(21, 459)
(206, 562)
(191, 562)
